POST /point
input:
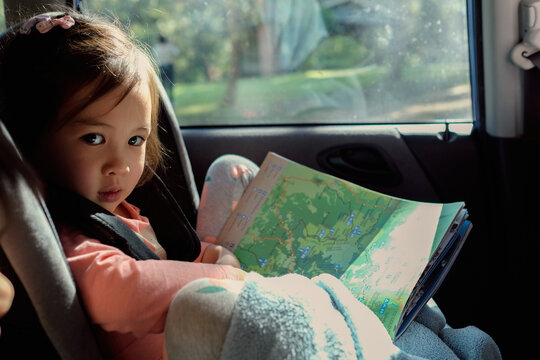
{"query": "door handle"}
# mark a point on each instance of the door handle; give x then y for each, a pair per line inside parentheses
(361, 164)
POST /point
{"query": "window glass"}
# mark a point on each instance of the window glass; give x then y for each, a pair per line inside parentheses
(307, 61)
(2, 17)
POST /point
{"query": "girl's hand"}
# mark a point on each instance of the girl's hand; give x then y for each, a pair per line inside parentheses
(217, 254)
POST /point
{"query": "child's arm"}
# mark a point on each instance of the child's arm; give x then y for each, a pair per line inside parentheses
(125, 295)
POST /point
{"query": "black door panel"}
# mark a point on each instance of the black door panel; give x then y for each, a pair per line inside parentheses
(361, 154)
(369, 165)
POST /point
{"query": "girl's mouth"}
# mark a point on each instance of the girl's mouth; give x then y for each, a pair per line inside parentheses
(112, 195)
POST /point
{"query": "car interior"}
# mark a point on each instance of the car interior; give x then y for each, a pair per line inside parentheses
(438, 109)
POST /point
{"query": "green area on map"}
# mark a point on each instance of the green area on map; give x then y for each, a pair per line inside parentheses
(312, 225)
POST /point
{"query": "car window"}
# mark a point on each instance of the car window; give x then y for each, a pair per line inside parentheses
(2, 17)
(311, 61)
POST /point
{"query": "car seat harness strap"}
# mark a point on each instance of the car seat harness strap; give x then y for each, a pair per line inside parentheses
(96, 222)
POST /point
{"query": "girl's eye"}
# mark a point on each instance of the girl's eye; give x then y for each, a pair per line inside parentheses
(136, 141)
(93, 139)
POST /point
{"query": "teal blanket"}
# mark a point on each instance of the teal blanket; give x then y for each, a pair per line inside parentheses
(293, 317)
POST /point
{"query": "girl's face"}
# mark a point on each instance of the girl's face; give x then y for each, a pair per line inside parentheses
(100, 153)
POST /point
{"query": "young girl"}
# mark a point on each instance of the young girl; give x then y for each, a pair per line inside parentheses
(80, 98)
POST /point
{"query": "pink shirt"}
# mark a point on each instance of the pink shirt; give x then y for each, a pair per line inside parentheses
(129, 299)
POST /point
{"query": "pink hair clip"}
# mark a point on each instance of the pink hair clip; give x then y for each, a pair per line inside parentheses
(44, 23)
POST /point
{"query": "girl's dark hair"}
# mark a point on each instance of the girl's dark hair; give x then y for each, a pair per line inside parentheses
(41, 73)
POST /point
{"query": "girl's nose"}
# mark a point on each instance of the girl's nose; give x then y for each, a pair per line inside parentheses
(115, 166)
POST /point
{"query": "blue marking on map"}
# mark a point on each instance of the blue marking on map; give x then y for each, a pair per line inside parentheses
(355, 232)
(384, 305)
(260, 191)
(243, 217)
(350, 220)
(373, 247)
(275, 166)
(332, 231)
(304, 252)
(262, 262)
(321, 234)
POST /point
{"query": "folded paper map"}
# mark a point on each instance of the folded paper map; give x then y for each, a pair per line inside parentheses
(391, 253)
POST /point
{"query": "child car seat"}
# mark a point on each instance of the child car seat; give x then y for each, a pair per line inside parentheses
(45, 295)
(33, 257)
